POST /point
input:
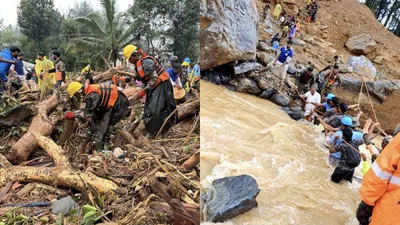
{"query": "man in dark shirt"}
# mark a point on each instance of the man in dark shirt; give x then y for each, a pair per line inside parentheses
(344, 171)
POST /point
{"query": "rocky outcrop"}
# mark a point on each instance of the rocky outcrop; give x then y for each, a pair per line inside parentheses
(362, 44)
(264, 58)
(280, 99)
(228, 31)
(247, 85)
(362, 65)
(246, 67)
(229, 197)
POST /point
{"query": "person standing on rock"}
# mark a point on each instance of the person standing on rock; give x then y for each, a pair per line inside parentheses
(311, 97)
(267, 7)
(160, 102)
(282, 63)
(292, 33)
(275, 46)
(7, 56)
(305, 80)
(274, 38)
(277, 10)
(332, 80)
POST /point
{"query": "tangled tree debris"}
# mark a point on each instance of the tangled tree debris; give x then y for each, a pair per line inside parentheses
(136, 181)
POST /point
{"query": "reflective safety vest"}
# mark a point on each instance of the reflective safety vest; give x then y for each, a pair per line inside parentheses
(332, 80)
(108, 93)
(161, 73)
(381, 185)
(115, 79)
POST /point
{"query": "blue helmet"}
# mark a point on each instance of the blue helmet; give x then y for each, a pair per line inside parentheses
(347, 121)
(330, 96)
(187, 60)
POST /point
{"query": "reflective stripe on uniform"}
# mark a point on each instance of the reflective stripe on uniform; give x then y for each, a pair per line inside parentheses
(395, 180)
(380, 173)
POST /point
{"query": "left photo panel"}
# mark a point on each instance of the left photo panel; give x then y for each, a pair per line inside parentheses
(99, 112)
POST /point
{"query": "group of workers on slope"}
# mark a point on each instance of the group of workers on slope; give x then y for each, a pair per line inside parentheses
(107, 105)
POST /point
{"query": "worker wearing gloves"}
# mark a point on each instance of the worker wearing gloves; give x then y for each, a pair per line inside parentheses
(104, 104)
(120, 82)
(160, 101)
(380, 190)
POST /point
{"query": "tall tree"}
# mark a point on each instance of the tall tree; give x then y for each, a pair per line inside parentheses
(107, 32)
(40, 23)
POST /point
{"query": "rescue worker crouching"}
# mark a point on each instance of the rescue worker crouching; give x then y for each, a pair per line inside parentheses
(120, 82)
(158, 89)
(104, 104)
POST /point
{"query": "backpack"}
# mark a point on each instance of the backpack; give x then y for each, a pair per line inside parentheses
(353, 157)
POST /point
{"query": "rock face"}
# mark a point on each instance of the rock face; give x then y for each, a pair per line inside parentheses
(229, 197)
(246, 67)
(362, 44)
(247, 85)
(361, 64)
(280, 99)
(228, 31)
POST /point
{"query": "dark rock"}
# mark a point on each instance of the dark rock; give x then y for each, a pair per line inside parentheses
(246, 67)
(362, 44)
(247, 85)
(230, 87)
(296, 113)
(229, 197)
(267, 94)
(228, 31)
(351, 83)
(280, 99)
(213, 77)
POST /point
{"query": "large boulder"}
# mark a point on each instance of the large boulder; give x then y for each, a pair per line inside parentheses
(311, 29)
(228, 31)
(265, 58)
(265, 47)
(247, 85)
(296, 113)
(351, 83)
(362, 44)
(345, 68)
(362, 65)
(246, 67)
(280, 99)
(229, 197)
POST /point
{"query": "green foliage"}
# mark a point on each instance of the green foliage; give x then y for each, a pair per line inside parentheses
(106, 33)
(40, 23)
(7, 103)
(176, 20)
(90, 215)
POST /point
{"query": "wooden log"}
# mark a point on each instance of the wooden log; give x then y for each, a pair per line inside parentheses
(41, 124)
(67, 132)
(192, 161)
(188, 109)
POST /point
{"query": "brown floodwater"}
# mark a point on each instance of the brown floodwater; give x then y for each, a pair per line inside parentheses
(243, 134)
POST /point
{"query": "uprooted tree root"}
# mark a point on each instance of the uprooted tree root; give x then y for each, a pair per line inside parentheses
(157, 181)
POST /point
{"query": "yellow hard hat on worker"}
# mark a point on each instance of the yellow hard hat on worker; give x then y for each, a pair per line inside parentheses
(73, 87)
(128, 50)
(185, 64)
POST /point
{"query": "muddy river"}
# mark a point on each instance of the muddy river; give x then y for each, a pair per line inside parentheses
(243, 134)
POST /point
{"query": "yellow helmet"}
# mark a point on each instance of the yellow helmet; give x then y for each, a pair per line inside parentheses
(128, 50)
(73, 87)
(185, 64)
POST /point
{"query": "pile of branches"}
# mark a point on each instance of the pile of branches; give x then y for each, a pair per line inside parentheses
(155, 181)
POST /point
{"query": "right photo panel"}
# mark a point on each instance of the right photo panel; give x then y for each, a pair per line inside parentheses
(299, 112)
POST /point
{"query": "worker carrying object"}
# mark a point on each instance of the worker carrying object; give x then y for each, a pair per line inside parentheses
(120, 81)
(104, 104)
(380, 190)
(156, 86)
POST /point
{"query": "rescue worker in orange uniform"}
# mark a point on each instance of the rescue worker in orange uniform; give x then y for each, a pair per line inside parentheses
(120, 81)
(105, 106)
(156, 86)
(380, 190)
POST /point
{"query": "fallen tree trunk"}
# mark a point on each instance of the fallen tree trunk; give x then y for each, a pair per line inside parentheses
(60, 175)
(17, 115)
(188, 109)
(40, 124)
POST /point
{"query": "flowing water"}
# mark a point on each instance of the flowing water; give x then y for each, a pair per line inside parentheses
(243, 134)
